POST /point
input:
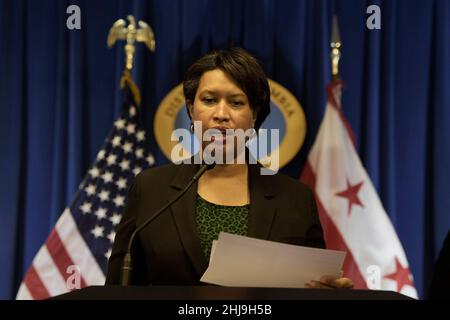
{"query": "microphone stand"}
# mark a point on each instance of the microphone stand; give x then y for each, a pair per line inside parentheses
(127, 264)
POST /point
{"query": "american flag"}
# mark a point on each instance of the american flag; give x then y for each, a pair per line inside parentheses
(77, 250)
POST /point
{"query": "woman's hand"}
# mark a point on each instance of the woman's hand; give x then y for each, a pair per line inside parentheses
(331, 282)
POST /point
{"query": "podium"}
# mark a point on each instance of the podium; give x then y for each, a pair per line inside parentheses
(208, 292)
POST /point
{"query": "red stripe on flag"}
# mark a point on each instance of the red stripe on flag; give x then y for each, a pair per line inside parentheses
(60, 256)
(333, 237)
(334, 87)
(35, 285)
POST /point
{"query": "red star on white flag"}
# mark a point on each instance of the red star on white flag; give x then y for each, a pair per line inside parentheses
(351, 193)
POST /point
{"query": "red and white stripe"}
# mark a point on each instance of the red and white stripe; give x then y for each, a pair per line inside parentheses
(49, 275)
(364, 232)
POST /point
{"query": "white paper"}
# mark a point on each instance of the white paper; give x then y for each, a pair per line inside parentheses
(240, 261)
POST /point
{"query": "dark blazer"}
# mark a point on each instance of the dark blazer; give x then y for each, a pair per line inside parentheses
(168, 251)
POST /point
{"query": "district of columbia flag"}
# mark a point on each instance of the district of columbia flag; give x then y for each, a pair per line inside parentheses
(351, 213)
(76, 252)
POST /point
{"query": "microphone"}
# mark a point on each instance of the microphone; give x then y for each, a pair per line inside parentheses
(127, 264)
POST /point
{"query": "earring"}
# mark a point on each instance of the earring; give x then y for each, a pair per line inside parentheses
(192, 127)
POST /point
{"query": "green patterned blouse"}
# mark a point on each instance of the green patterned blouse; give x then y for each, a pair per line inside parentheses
(213, 218)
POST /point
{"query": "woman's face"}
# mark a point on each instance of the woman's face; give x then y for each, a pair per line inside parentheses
(219, 103)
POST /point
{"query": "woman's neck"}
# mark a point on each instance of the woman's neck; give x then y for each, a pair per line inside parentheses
(225, 185)
(227, 171)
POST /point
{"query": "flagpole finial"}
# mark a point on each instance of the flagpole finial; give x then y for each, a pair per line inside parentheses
(335, 45)
(120, 31)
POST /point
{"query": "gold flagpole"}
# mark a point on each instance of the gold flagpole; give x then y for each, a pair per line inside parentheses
(335, 45)
(120, 31)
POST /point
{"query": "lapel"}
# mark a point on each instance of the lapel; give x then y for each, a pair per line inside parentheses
(262, 205)
(183, 212)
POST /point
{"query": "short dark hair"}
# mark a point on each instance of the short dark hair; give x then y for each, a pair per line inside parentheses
(242, 68)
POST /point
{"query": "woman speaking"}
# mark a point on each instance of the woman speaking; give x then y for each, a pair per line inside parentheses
(224, 91)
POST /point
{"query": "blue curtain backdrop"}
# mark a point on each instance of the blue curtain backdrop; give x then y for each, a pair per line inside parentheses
(59, 96)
